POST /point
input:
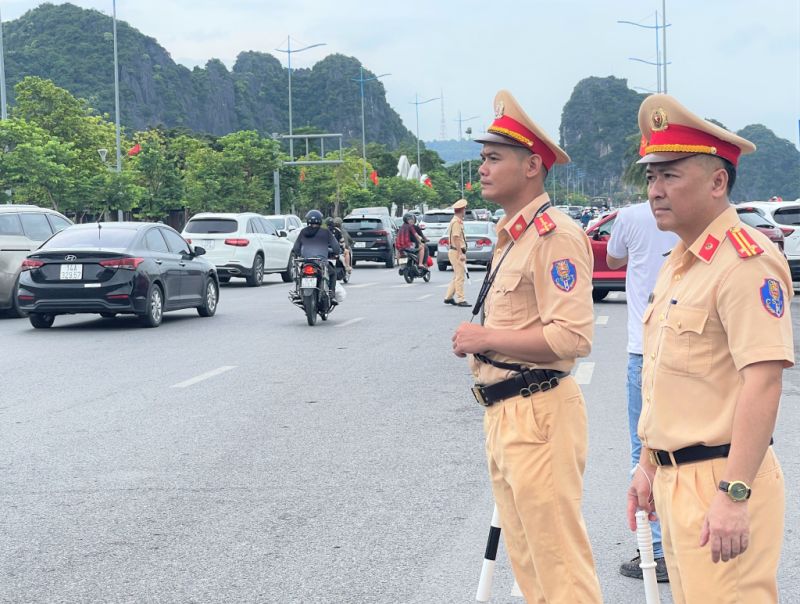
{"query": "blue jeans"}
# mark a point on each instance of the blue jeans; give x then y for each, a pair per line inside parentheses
(634, 411)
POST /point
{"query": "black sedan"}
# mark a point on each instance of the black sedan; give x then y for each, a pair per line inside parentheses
(115, 268)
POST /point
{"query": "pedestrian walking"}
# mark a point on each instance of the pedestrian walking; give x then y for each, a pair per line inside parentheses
(637, 242)
(537, 319)
(717, 336)
(457, 254)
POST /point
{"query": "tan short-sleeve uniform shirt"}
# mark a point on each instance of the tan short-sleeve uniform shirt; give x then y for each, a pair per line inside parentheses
(546, 279)
(712, 313)
(455, 233)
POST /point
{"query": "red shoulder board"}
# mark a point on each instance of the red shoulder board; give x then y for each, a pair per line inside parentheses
(710, 247)
(744, 244)
(516, 229)
(544, 224)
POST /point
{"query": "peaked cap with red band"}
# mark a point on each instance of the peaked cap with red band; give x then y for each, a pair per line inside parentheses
(512, 126)
(670, 131)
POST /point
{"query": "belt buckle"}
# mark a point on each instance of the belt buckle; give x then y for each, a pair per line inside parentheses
(654, 458)
(548, 384)
(477, 392)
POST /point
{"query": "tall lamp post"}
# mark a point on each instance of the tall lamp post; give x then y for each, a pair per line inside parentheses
(417, 103)
(3, 113)
(658, 62)
(461, 120)
(361, 79)
(116, 101)
(289, 50)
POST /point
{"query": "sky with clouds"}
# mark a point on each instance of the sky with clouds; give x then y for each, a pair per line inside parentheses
(734, 60)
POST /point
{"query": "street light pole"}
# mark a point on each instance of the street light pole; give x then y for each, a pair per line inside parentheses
(460, 120)
(288, 50)
(361, 79)
(664, 39)
(116, 102)
(658, 62)
(417, 103)
(3, 111)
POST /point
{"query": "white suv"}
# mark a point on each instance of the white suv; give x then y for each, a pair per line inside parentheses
(786, 215)
(23, 228)
(241, 245)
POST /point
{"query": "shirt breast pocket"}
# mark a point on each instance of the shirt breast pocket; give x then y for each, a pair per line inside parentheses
(511, 296)
(685, 344)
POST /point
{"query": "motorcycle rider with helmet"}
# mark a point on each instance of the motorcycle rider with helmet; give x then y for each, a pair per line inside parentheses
(314, 242)
(343, 237)
(414, 234)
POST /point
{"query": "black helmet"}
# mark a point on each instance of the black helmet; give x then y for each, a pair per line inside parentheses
(314, 218)
(408, 217)
(329, 221)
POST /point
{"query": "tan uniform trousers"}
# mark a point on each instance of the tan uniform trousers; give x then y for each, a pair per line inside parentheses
(683, 495)
(536, 447)
(457, 284)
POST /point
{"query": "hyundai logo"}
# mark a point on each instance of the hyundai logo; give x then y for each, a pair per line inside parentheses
(70, 258)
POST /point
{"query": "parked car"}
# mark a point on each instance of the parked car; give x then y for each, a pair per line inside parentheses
(116, 268)
(482, 214)
(786, 215)
(604, 279)
(435, 223)
(287, 225)
(498, 214)
(373, 237)
(750, 217)
(23, 228)
(241, 245)
(481, 240)
(575, 212)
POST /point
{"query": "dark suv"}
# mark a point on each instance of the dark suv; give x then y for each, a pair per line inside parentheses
(373, 237)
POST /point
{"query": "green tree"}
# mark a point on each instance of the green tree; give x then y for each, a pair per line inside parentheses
(156, 170)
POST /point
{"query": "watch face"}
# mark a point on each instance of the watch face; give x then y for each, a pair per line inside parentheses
(738, 491)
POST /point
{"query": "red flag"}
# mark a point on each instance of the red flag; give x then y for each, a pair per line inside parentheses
(428, 183)
(137, 148)
(374, 177)
(468, 186)
(302, 174)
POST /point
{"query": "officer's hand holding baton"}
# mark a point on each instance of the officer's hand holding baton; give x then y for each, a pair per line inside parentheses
(640, 493)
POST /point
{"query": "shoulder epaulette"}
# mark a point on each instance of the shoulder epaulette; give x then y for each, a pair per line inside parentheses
(743, 243)
(544, 224)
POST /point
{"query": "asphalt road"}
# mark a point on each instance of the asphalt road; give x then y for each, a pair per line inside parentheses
(250, 458)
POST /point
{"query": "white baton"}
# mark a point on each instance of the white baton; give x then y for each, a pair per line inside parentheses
(644, 539)
(487, 570)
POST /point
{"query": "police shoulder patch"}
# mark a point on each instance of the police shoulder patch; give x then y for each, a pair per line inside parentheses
(564, 274)
(772, 297)
(544, 224)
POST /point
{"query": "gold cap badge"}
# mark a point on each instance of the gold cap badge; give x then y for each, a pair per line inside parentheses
(658, 120)
(499, 109)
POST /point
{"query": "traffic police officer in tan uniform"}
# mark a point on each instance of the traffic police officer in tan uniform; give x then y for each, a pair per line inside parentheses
(457, 254)
(537, 319)
(717, 336)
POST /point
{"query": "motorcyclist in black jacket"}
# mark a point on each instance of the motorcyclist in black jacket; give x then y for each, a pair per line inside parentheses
(314, 242)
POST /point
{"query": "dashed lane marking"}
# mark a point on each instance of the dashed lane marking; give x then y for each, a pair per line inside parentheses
(601, 320)
(350, 322)
(403, 285)
(583, 375)
(204, 376)
(425, 297)
(360, 285)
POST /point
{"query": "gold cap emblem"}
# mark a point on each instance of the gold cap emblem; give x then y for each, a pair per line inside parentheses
(499, 109)
(658, 120)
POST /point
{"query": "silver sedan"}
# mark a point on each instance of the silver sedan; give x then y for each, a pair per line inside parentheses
(481, 240)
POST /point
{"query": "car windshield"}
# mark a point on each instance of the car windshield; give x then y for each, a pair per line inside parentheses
(278, 223)
(359, 224)
(754, 219)
(788, 216)
(430, 218)
(476, 228)
(87, 238)
(212, 225)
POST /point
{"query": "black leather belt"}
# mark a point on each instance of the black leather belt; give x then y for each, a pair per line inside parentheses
(528, 382)
(690, 454)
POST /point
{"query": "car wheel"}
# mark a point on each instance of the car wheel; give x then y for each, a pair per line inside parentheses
(390, 261)
(256, 276)
(210, 300)
(108, 315)
(599, 294)
(224, 279)
(287, 276)
(442, 266)
(154, 311)
(41, 320)
(15, 310)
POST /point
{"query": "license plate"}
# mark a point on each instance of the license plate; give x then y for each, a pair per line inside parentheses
(360, 244)
(208, 244)
(308, 282)
(471, 245)
(71, 272)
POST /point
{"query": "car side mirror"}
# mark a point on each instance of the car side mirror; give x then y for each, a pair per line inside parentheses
(282, 233)
(596, 235)
(199, 251)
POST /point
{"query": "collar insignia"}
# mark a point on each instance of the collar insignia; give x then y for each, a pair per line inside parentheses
(743, 242)
(709, 248)
(516, 229)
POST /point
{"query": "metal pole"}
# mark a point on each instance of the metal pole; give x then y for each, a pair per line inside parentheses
(3, 111)
(116, 100)
(664, 39)
(289, 54)
(363, 126)
(658, 64)
(276, 177)
(416, 105)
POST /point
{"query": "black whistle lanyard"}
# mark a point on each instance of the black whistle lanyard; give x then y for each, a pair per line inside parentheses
(488, 280)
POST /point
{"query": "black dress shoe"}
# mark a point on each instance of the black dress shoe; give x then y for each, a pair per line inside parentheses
(449, 301)
(462, 303)
(631, 569)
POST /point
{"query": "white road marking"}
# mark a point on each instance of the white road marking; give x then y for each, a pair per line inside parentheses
(583, 375)
(601, 320)
(360, 285)
(444, 285)
(204, 376)
(425, 297)
(350, 322)
(403, 285)
(614, 295)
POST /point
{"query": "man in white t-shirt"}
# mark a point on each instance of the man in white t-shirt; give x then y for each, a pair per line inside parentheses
(637, 242)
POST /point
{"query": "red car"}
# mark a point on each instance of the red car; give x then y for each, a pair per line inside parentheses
(604, 279)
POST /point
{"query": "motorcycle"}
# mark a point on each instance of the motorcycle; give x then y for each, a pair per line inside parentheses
(412, 270)
(312, 293)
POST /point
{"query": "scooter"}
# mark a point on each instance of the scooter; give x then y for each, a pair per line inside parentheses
(312, 292)
(412, 270)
